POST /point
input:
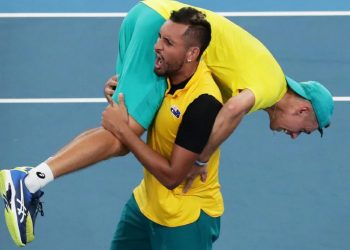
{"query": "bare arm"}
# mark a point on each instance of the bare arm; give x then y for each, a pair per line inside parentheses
(227, 121)
(169, 172)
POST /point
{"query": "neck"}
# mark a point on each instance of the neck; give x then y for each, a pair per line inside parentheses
(282, 104)
(272, 111)
(186, 72)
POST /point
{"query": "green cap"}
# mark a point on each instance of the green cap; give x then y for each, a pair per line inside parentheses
(320, 97)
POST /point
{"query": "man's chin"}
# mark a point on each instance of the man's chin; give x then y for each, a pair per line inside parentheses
(158, 72)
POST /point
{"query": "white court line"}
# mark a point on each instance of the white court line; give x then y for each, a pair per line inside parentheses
(286, 13)
(227, 14)
(341, 98)
(30, 15)
(53, 100)
(123, 14)
(97, 100)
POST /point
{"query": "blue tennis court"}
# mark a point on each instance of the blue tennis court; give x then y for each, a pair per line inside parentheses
(280, 194)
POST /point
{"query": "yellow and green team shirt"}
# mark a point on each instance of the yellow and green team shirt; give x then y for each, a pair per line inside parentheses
(173, 208)
(237, 59)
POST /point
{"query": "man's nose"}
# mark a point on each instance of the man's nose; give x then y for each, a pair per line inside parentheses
(157, 45)
(294, 135)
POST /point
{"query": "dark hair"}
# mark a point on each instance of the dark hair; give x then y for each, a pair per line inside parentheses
(199, 30)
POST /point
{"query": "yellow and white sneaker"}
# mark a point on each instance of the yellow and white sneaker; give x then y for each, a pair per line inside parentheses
(21, 206)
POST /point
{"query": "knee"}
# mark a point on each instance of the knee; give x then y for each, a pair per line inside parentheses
(120, 150)
(117, 148)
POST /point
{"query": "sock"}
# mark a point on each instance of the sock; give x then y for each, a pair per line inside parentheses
(38, 177)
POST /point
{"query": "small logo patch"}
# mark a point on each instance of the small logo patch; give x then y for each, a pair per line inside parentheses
(40, 175)
(176, 112)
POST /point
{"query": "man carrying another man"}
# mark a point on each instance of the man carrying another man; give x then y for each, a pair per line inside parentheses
(248, 76)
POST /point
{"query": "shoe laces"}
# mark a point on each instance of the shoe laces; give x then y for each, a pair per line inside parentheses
(7, 198)
(37, 204)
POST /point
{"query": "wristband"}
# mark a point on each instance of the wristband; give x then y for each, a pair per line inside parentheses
(200, 163)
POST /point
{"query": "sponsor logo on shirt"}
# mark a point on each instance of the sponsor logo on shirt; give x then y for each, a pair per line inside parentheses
(175, 111)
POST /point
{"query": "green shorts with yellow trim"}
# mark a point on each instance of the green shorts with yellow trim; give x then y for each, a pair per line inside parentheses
(135, 232)
(143, 90)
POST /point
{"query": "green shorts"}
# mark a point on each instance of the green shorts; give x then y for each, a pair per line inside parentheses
(135, 232)
(142, 88)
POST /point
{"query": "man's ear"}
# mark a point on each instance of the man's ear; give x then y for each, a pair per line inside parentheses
(192, 54)
(304, 110)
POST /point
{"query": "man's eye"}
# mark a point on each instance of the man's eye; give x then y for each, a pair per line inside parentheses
(168, 42)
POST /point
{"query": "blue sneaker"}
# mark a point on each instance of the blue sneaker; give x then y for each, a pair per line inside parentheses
(21, 206)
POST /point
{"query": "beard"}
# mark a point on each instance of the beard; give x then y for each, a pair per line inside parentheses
(167, 70)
